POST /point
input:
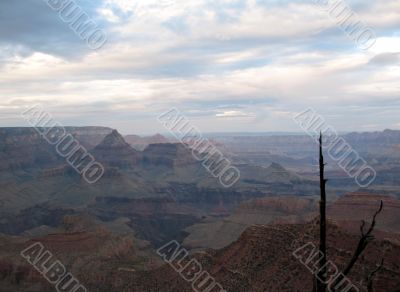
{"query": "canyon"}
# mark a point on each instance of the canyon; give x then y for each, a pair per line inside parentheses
(154, 191)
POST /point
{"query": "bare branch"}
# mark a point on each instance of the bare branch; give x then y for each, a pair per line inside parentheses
(370, 277)
(362, 244)
(362, 228)
(371, 228)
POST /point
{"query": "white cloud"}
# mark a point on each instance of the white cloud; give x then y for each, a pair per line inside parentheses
(223, 62)
(109, 15)
(234, 114)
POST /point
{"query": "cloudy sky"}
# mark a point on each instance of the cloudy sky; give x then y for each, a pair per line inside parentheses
(229, 65)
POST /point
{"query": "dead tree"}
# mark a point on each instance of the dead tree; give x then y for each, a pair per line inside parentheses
(365, 239)
(321, 286)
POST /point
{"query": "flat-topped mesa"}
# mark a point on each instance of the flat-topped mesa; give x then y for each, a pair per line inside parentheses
(350, 209)
(386, 137)
(114, 151)
(23, 147)
(168, 154)
(157, 139)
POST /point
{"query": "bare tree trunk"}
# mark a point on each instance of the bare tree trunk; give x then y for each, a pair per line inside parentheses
(321, 286)
(314, 289)
(366, 237)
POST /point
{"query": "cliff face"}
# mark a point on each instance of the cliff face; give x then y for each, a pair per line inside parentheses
(22, 148)
(347, 212)
(302, 144)
(55, 172)
(352, 208)
(274, 176)
(261, 260)
(114, 151)
(141, 143)
(89, 137)
(381, 149)
(84, 248)
(219, 232)
(170, 155)
(376, 139)
(284, 205)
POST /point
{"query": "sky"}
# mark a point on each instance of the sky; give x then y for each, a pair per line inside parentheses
(227, 65)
